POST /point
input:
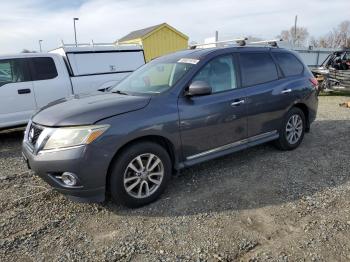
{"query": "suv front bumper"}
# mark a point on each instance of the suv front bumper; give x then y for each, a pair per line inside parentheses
(89, 167)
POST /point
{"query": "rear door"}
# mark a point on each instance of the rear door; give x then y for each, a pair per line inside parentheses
(265, 89)
(17, 101)
(212, 123)
(50, 79)
(296, 78)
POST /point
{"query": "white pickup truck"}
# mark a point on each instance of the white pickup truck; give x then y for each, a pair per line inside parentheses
(31, 81)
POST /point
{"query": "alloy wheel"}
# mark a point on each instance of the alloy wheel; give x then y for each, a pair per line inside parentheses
(143, 175)
(294, 129)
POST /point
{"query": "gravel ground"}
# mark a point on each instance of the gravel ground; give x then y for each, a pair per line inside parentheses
(260, 204)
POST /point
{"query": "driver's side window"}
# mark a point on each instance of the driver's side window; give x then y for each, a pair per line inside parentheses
(219, 73)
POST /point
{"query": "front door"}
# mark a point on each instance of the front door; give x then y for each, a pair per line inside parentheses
(17, 100)
(212, 122)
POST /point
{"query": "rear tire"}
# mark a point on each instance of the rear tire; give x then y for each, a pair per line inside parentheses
(140, 174)
(292, 131)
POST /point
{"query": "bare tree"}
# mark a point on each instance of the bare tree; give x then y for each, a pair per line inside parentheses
(344, 34)
(286, 36)
(321, 42)
(314, 42)
(324, 42)
(339, 37)
(27, 51)
(296, 37)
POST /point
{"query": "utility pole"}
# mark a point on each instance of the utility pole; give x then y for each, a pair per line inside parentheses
(295, 30)
(75, 30)
(216, 37)
(40, 46)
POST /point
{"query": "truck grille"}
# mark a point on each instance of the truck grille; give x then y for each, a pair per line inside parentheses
(33, 134)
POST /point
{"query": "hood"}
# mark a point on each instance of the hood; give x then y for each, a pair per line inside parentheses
(87, 109)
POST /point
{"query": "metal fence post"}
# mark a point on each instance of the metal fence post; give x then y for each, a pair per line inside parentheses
(317, 57)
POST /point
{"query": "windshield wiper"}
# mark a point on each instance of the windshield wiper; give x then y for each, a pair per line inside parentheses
(120, 92)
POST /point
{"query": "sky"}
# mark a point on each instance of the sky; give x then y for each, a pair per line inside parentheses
(24, 22)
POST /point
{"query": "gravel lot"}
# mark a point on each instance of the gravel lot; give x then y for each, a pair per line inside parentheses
(260, 204)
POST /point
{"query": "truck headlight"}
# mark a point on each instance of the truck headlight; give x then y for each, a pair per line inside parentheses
(74, 136)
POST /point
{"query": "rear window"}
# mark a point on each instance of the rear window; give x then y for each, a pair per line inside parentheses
(43, 68)
(257, 68)
(289, 64)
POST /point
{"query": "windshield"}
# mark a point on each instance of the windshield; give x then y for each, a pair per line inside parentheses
(155, 77)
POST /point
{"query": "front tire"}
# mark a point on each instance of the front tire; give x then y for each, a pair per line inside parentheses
(292, 131)
(140, 174)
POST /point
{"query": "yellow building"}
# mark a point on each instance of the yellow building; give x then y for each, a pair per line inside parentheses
(157, 40)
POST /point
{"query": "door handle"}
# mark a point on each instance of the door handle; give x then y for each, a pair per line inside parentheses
(285, 91)
(23, 91)
(237, 103)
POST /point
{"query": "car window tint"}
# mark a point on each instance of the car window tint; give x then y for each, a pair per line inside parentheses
(289, 64)
(257, 68)
(44, 68)
(219, 73)
(13, 70)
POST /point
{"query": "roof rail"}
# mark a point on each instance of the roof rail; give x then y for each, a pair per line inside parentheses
(272, 42)
(93, 44)
(238, 41)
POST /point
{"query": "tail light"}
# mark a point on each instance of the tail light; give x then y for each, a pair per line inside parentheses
(314, 82)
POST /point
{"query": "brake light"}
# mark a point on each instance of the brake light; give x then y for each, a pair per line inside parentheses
(314, 82)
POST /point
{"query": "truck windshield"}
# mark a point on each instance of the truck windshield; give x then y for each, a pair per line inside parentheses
(154, 77)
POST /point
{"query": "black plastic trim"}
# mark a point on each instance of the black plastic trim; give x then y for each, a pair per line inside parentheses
(107, 73)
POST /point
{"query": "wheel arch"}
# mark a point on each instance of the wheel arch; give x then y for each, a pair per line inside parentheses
(160, 140)
(305, 110)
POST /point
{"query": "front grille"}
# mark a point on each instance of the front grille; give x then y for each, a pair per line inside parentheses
(34, 133)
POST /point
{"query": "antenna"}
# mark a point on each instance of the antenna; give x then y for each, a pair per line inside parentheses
(239, 41)
(272, 42)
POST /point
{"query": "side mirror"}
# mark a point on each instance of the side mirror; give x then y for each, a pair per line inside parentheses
(199, 88)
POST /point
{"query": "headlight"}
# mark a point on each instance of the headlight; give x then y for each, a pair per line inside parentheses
(74, 136)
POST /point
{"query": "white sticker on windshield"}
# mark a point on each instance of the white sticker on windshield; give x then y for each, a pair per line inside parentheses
(188, 61)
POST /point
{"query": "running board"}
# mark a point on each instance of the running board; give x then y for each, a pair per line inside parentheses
(230, 148)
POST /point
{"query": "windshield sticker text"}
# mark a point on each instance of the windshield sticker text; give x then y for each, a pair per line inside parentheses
(188, 61)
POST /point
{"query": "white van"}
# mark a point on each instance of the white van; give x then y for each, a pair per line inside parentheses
(31, 81)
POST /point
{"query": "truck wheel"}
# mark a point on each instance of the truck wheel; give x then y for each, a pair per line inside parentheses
(140, 174)
(292, 131)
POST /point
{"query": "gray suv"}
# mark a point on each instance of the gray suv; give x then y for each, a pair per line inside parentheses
(174, 112)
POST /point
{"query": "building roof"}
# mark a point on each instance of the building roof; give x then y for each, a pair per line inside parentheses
(141, 33)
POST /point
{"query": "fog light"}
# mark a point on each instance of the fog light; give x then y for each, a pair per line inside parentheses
(69, 179)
